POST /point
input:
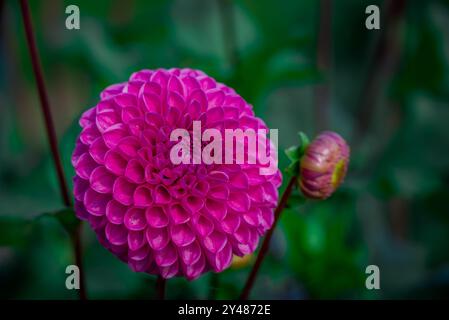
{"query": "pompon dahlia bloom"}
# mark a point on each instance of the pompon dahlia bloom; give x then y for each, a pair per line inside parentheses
(161, 218)
(323, 166)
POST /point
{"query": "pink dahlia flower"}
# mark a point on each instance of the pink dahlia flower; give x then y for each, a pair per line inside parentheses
(323, 166)
(161, 218)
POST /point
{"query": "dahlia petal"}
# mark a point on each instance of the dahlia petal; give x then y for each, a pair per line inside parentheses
(125, 100)
(253, 239)
(80, 210)
(135, 172)
(153, 119)
(223, 258)
(176, 102)
(151, 103)
(143, 196)
(172, 116)
(216, 208)
(194, 270)
(234, 101)
(136, 240)
(79, 188)
(156, 217)
(161, 195)
(157, 238)
(115, 212)
(239, 201)
(206, 82)
(254, 177)
(179, 214)
(266, 218)
(129, 114)
(145, 154)
(95, 202)
(190, 83)
(215, 242)
(123, 191)
(96, 222)
(220, 192)
(116, 234)
(114, 134)
(218, 177)
(85, 166)
(115, 162)
(170, 271)
(256, 194)
(270, 193)
(101, 180)
(193, 203)
(80, 149)
(97, 150)
(87, 119)
(194, 109)
(139, 254)
(200, 188)
(214, 115)
(141, 265)
(136, 127)
(231, 113)
(166, 256)
(106, 119)
(135, 219)
(191, 253)
(151, 87)
(133, 87)
(239, 180)
(231, 223)
(215, 98)
(252, 217)
(188, 181)
(178, 191)
(242, 234)
(112, 90)
(175, 85)
(200, 97)
(88, 135)
(182, 235)
(160, 77)
(167, 176)
(105, 106)
(203, 225)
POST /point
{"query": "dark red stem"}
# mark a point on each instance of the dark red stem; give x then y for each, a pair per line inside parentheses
(51, 133)
(160, 288)
(266, 242)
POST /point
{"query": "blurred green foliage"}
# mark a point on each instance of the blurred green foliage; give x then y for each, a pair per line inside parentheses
(392, 210)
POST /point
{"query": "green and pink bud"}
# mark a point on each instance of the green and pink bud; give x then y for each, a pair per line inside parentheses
(323, 166)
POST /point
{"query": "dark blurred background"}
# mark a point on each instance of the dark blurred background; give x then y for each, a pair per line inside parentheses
(305, 65)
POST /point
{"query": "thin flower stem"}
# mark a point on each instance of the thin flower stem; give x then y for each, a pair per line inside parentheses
(51, 133)
(266, 243)
(160, 288)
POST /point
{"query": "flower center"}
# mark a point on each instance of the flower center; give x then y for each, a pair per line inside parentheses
(338, 174)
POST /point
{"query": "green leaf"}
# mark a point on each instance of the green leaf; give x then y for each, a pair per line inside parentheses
(67, 219)
(293, 153)
(304, 142)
